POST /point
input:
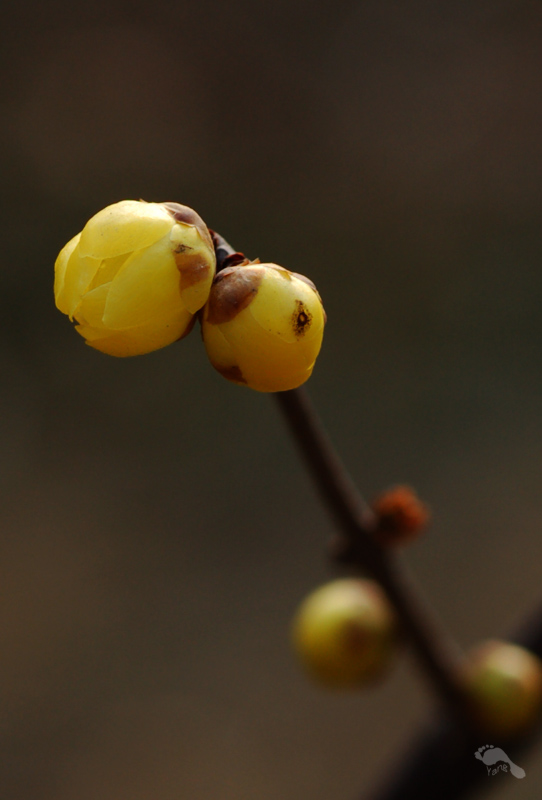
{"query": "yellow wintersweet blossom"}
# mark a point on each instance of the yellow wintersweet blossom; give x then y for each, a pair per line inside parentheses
(263, 326)
(135, 276)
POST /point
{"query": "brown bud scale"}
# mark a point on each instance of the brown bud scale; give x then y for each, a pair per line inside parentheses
(184, 214)
(233, 290)
(193, 268)
(188, 216)
(401, 515)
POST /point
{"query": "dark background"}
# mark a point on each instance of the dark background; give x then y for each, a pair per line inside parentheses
(157, 527)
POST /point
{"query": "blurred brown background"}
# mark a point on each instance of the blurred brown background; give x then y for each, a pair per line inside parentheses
(157, 527)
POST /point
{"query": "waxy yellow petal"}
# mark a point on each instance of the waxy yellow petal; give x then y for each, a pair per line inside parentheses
(124, 227)
(280, 299)
(141, 340)
(91, 309)
(146, 286)
(107, 270)
(60, 271)
(78, 275)
(267, 364)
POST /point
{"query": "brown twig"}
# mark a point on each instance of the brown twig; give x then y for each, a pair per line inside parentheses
(357, 547)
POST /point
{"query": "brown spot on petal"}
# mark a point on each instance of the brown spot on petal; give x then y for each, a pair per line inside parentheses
(233, 290)
(301, 319)
(193, 268)
(231, 373)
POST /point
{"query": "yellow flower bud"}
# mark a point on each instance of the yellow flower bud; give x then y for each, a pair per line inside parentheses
(135, 276)
(263, 326)
(345, 633)
(503, 682)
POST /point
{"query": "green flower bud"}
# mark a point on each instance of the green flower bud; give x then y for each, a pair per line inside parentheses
(504, 687)
(135, 276)
(263, 326)
(345, 633)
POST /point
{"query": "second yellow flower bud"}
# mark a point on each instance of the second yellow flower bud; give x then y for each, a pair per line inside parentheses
(263, 326)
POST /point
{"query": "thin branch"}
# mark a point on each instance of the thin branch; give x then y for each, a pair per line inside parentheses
(356, 546)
